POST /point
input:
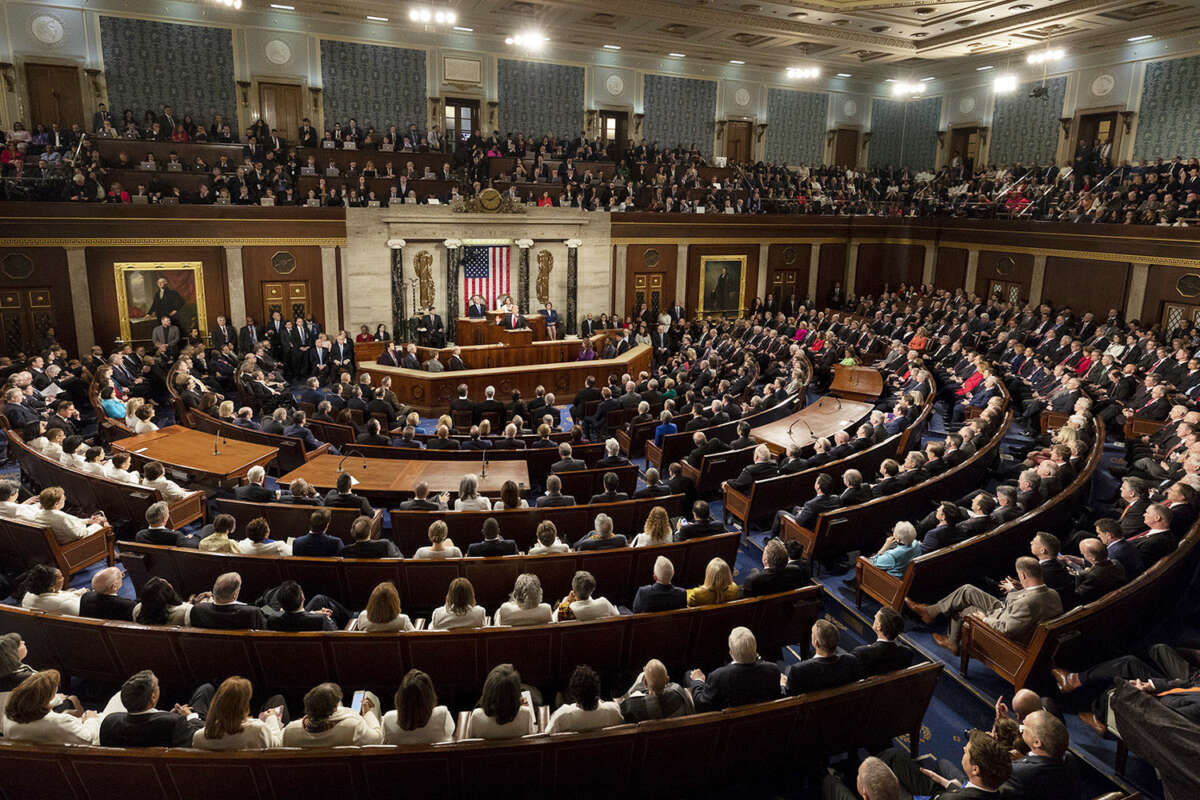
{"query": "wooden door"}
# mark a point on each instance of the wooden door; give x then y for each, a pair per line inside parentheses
(737, 141)
(462, 118)
(282, 107)
(1007, 290)
(289, 298)
(614, 131)
(54, 95)
(1175, 313)
(25, 314)
(786, 282)
(648, 289)
(845, 148)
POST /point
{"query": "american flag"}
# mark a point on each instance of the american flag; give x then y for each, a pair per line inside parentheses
(485, 273)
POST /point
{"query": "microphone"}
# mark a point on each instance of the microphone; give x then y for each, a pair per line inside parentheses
(346, 455)
(216, 439)
(483, 466)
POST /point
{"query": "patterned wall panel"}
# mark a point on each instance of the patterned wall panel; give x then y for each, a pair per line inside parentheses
(1026, 128)
(904, 132)
(680, 111)
(148, 64)
(1168, 121)
(796, 126)
(537, 98)
(378, 86)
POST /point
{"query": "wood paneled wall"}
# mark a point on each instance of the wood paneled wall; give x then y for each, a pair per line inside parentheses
(791, 257)
(992, 266)
(648, 259)
(887, 264)
(257, 270)
(696, 251)
(1086, 284)
(101, 283)
(831, 268)
(49, 273)
(1162, 287)
(950, 268)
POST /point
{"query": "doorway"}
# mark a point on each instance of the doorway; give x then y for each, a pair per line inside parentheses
(845, 148)
(289, 298)
(965, 142)
(648, 289)
(1096, 140)
(54, 96)
(614, 132)
(1006, 291)
(738, 145)
(462, 118)
(25, 314)
(282, 107)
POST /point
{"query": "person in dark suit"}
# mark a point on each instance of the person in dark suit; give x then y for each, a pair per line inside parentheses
(701, 523)
(476, 308)
(224, 612)
(554, 496)
(806, 515)
(249, 336)
(985, 763)
(156, 531)
(777, 575)
(318, 542)
(489, 404)
(421, 501)
(513, 322)
(442, 440)
(884, 654)
(1045, 547)
(102, 600)
(223, 334)
(166, 302)
(295, 616)
(612, 490)
(409, 360)
(433, 328)
(373, 434)
(661, 595)
(747, 680)
(140, 725)
(299, 430)
(601, 536)
(762, 468)
(828, 668)
(654, 486)
(598, 422)
(679, 483)
(344, 497)
(254, 491)
(1045, 773)
(364, 546)
(1100, 576)
(1155, 540)
(565, 462)
(702, 446)
(492, 544)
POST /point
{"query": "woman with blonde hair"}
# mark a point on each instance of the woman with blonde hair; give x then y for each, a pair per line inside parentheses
(131, 407)
(460, 610)
(29, 715)
(524, 605)
(440, 546)
(718, 586)
(228, 724)
(657, 529)
(382, 614)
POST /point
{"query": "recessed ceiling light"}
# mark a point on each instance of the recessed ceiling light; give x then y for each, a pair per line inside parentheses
(844, 75)
(889, 80)
(926, 79)
(463, 29)
(282, 7)
(1141, 38)
(735, 61)
(982, 69)
(612, 47)
(377, 19)
(677, 55)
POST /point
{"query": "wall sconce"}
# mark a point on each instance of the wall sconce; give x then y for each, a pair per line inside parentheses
(244, 87)
(761, 129)
(1127, 120)
(941, 138)
(866, 139)
(8, 72)
(638, 119)
(983, 134)
(830, 135)
(1065, 123)
(94, 76)
(721, 129)
(493, 106)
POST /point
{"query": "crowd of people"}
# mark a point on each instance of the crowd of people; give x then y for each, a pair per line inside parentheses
(50, 163)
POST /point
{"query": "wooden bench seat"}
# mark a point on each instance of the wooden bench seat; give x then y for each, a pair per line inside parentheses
(930, 576)
(422, 584)
(864, 527)
(23, 544)
(410, 528)
(663, 758)
(1088, 633)
(292, 454)
(716, 468)
(633, 439)
(457, 660)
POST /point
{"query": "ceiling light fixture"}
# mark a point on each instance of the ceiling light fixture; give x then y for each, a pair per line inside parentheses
(803, 73)
(530, 40)
(1141, 38)
(1005, 84)
(282, 7)
(844, 75)
(463, 29)
(234, 4)
(735, 61)
(926, 80)
(1045, 56)
(677, 55)
(612, 47)
(906, 89)
(985, 68)
(440, 16)
(377, 19)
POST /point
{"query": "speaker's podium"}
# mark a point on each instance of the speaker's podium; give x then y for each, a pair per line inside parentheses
(487, 330)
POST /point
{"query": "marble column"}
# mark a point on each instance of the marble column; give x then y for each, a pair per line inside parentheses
(572, 281)
(81, 297)
(399, 317)
(1137, 291)
(1038, 280)
(851, 271)
(814, 266)
(620, 276)
(930, 263)
(523, 274)
(764, 254)
(453, 256)
(972, 271)
(329, 280)
(681, 277)
(237, 284)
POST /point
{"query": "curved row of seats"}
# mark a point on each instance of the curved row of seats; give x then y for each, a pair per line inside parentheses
(662, 758)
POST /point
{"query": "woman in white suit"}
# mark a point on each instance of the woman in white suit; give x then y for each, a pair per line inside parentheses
(29, 714)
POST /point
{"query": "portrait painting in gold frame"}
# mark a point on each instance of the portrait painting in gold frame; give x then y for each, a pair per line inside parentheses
(722, 285)
(141, 300)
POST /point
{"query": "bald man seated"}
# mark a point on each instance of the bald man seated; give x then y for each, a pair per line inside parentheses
(102, 600)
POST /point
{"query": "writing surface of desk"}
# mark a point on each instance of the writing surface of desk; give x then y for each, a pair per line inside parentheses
(487, 330)
(387, 478)
(856, 383)
(826, 417)
(191, 450)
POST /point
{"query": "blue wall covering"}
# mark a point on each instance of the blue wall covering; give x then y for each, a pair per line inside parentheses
(377, 86)
(1168, 121)
(904, 133)
(537, 98)
(189, 67)
(680, 111)
(796, 126)
(1026, 128)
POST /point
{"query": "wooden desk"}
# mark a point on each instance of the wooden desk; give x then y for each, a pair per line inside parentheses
(509, 368)
(387, 478)
(474, 331)
(485, 356)
(826, 417)
(191, 450)
(856, 383)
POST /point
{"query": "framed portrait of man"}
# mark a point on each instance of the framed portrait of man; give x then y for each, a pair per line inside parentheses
(722, 284)
(149, 291)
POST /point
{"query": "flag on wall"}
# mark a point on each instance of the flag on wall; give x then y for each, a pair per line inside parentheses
(485, 273)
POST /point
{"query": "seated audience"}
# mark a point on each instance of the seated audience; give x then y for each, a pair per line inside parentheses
(830, 666)
(655, 696)
(460, 610)
(547, 539)
(440, 545)
(417, 718)
(581, 604)
(327, 723)
(718, 586)
(661, 595)
(748, 679)
(382, 614)
(504, 710)
(587, 711)
(524, 606)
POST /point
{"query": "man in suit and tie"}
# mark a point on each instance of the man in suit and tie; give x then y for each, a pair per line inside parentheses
(320, 361)
(762, 468)
(825, 670)
(554, 496)
(1100, 575)
(885, 654)
(806, 515)
(661, 595)
(492, 544)
(254, 491)
(409, 360)
(249, 336)
(431, 325)
(587, 327)
(308, 134)
(476, 309)
(1028, 602)
(141, 725)
(489, 404)
(513, 321)
(455, 362)
(224, 333)
(224, 611)
(748, 679)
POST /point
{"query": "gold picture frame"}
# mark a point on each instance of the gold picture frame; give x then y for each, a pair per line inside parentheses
(136, 282)
(714, 294)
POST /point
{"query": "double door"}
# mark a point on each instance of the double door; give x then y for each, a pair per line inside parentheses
(25, 314)
(289, 298)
